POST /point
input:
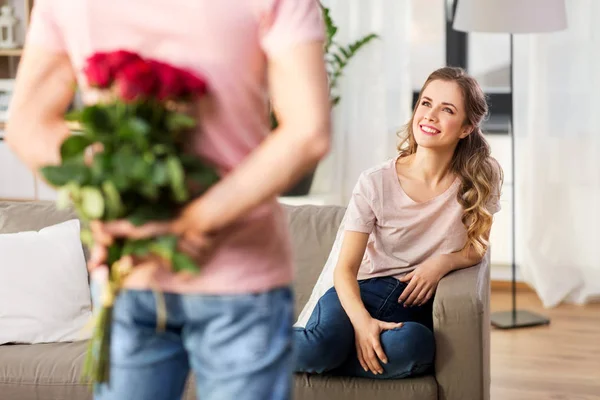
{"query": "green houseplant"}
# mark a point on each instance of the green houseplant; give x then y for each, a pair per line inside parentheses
(337, 57)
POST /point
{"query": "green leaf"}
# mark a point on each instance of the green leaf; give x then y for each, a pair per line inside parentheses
(129, 168)
(63, 197)
(205, 178)
(164, 246)
(74, 146)
(160, 174)
(141, 170)
(330, 27)
(181, 262)
(345, 52)
(134, 130)
(86, 237)
(140, 247)
(354, 47)
(73, 170)
(161, 149)
(179, 121)
(115, 252)
(341, 63)
(92, 202)
(177, 179)
(114, 203)
(149, 190)
(97, 118)
(151, 212)
(101, 167)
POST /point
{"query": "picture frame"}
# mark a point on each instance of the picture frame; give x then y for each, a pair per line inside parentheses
(6, 91)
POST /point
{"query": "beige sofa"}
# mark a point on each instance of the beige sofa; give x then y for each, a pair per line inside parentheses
(51, 371)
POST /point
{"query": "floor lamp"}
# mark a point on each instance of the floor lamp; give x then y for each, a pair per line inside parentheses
(513, 17)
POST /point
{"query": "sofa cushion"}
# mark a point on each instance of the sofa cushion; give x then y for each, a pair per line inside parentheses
(49, 372)
(43, 371)
(52, 371)
(44, 292)
(313, 230)
(315, 387)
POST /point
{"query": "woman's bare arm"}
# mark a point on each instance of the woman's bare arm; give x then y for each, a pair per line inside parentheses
(346, 271)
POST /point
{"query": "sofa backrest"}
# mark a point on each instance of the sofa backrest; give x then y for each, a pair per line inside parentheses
(313, 230)
(22, 216)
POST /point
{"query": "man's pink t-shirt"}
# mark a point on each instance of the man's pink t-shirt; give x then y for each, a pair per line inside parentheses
(403, 233)
(228, 42)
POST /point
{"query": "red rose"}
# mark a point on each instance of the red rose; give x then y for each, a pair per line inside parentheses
(97, 71)
(195, 85)
(102, 68)
(170, 84)
(117, 60)
(136, 80)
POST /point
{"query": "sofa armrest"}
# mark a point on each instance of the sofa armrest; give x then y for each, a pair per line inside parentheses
(462, 333)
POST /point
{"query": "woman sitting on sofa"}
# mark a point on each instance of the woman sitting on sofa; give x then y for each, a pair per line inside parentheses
(410, 221)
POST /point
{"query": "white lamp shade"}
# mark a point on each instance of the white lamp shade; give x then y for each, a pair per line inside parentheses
(510, 16)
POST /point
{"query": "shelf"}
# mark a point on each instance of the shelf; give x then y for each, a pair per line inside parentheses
(11, 52)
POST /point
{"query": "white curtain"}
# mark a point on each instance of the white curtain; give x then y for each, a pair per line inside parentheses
(557, 128)
(375, 92)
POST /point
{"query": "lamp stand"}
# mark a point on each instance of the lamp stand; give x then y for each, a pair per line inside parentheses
(515, 318)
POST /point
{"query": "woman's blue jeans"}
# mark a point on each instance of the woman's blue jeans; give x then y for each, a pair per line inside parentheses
(238, 347)
(327, 342)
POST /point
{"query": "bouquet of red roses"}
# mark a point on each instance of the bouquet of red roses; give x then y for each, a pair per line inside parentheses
(142, 171)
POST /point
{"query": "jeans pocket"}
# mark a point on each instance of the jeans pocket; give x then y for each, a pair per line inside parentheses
(250, 328)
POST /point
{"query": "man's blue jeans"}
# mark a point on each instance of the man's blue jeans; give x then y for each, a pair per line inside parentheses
(239, 347)
(327, 342)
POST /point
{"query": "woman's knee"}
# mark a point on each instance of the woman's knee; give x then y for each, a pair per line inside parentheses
(410, 348)
(316, 353)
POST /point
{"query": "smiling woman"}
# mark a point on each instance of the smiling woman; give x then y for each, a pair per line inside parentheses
(411, 220)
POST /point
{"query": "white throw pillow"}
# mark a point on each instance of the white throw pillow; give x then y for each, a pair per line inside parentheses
(44, 292)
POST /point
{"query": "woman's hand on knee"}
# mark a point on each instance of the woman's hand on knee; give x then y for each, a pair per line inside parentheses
(368, 343)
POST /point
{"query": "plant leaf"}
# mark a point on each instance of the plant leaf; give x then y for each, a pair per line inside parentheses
(73, 170)
(92, 202)
(341, 63)
(179, 121)
(150, 212)
(135, 130)
(96, 118)
(177, 179)
(354, 47)
(160, 174)
(330, 27)
(181, 262)
(86, 237)
(101, 167)
(164, 246)
(140, 247)
(74, 146)
(345, 52)
(63, 198)
(114, 203)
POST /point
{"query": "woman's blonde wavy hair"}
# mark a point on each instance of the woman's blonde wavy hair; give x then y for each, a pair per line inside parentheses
(480, 174)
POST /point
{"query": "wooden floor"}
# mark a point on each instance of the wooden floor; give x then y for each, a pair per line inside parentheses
(556, 362)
